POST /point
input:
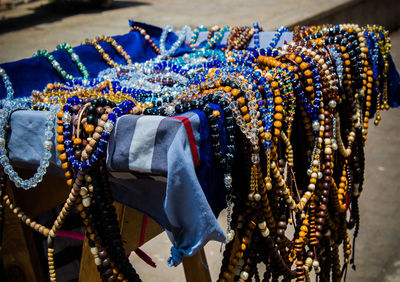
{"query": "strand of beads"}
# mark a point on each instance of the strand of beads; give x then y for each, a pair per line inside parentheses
(83, 153)
(181, 38)
(106, 57)
(5, 113)
(147, 37)
(56, 65)
(57, 93)
(67, 47)
(195, 35)
(217, 37)
(256, 35)
(7, 84)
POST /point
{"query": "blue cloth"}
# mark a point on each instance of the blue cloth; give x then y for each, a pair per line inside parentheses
(34, 73)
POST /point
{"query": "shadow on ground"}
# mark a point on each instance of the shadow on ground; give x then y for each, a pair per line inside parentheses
(55, 11)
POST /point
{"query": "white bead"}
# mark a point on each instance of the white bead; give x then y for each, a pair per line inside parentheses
(48, 145)
(262, 225)
(244, 275)
(265, 232)
(257, 197)
(228, 179)
(108, 126)
(314, 175)
(97, 261)
(332, 104)
(315, 125)
(328, 151)
(66, 118)
(86, 202)
(315, 263)
(94, 251)
(2, 141)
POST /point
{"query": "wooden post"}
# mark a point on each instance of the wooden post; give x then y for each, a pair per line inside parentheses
(20, 258)
(194, 269)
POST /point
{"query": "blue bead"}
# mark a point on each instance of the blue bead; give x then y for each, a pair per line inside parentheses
(67, 143)
(66, 107)
(84, 166)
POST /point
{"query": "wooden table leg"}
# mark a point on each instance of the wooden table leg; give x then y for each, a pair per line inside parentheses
(20, 258)
(88, 270)
(194, 269)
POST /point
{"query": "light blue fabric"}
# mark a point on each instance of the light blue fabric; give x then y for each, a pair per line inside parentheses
(186, 205)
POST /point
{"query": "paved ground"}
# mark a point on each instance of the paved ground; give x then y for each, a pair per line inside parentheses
(45, 26)
(41, 25)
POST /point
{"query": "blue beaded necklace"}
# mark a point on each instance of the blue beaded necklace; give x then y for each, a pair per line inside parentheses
(83, 166)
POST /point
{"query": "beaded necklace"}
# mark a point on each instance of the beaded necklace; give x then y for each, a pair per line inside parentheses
(109, 255)
(147, 37)
(256, 35)
(195, 35)
(217, 37)
(181, 38)
(67, 47)
(106, 57)
(56, 65)
(9, 106)
(7, 84)
(58, 93)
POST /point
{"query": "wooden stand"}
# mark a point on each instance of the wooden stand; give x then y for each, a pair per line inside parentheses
(19, 253)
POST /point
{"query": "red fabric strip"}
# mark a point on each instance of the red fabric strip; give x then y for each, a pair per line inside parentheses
(71, 234)
(188, 127)
(145, 257)
(143, 231)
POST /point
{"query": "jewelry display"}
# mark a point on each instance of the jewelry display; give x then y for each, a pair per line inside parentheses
(287, 127)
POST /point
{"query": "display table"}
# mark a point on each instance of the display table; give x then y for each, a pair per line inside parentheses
(18, 251)
(160, 166)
